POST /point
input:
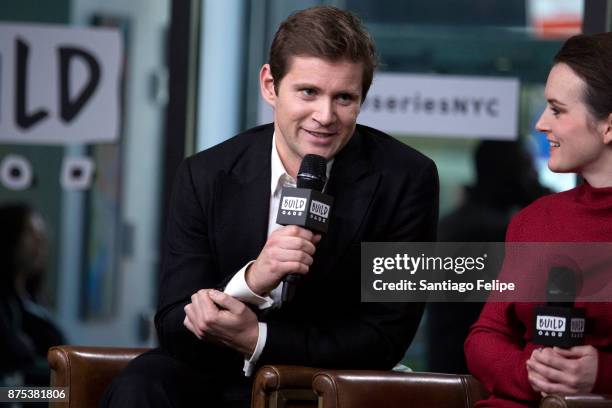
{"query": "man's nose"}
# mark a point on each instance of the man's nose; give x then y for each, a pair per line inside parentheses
(325, 113)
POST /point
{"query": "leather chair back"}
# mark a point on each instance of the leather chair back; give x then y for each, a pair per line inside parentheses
(396, 390)
(284, 387)
(87, 371)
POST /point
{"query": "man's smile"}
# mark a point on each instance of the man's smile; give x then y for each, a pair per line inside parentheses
(320, 134)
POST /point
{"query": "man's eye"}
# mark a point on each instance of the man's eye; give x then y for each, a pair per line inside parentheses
(308, 92)
(555, 111)
(345, 98)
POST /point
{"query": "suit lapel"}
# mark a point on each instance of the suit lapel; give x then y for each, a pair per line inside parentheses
(353, 185)
(242, 202)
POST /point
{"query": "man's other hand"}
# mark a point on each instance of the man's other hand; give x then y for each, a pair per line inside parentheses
(219, 318)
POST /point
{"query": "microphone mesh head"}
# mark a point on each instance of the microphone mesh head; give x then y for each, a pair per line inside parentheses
(561, 286)
(312, 173)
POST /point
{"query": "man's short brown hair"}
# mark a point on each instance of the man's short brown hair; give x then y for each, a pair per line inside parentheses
(325, 32)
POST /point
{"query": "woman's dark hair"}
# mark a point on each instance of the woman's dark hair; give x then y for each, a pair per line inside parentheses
(13, 219)
(590, 57)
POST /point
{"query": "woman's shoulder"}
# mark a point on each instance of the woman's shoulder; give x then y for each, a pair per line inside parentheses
(548, 202)
(537, 217)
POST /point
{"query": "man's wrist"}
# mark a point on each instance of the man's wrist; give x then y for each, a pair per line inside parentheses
(251, 340)
(238, 288)
(248, 278)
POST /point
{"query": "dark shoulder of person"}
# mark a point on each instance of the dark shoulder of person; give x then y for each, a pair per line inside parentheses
(227, 155)
(390, 154)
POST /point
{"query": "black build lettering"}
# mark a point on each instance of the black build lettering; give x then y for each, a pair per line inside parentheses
(69, 109)
(24, 119)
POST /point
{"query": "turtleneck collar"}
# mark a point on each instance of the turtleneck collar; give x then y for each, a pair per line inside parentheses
(593, 197)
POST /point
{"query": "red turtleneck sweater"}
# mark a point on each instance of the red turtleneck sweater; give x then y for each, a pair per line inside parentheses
(499, 343)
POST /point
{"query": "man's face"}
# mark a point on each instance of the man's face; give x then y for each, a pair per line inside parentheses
(315, 109)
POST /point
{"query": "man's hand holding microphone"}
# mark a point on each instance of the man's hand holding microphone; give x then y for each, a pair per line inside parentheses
(289, 250)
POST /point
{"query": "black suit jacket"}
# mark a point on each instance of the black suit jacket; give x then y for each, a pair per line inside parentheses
(383, 190)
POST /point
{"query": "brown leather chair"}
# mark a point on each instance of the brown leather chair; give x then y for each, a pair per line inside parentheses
(87, 371)
(365, 389)
(284, 387)
(577, 401)
(370, 389)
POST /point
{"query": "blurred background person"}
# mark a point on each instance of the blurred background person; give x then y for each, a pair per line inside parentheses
(26, 329)
(578, 125)
(506, 181)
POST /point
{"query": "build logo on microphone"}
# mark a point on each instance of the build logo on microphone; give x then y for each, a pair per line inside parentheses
(557, 326)
(319, 211)
(293, 205)
(550, 325)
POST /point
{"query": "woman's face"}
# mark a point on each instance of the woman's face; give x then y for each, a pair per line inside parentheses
(578, 142)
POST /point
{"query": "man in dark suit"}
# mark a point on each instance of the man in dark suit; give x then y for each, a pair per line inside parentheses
(220, 315)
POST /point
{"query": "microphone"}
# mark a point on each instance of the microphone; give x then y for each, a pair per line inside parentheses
(306, 206)
(559, 323)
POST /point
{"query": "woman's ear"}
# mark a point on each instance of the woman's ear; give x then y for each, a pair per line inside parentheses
(607, 130)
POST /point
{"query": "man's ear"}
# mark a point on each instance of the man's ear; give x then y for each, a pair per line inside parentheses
(607, 134)
(266, 85)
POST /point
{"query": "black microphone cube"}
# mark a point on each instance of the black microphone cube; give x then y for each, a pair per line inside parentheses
(304, 207)
(559, 326)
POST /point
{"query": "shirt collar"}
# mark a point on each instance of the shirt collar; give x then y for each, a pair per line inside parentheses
(280, 177)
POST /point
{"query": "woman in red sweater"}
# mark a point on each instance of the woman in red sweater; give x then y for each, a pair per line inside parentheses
(578, 125)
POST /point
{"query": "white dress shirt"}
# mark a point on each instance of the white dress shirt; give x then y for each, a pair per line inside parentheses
(237, 287)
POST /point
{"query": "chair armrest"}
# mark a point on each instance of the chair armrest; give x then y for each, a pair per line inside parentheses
(577, 401)
(87, 371)
(373, 389)
(282, 386)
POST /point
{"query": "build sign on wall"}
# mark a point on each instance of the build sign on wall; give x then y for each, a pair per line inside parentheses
(59, 84)
(439, 105)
